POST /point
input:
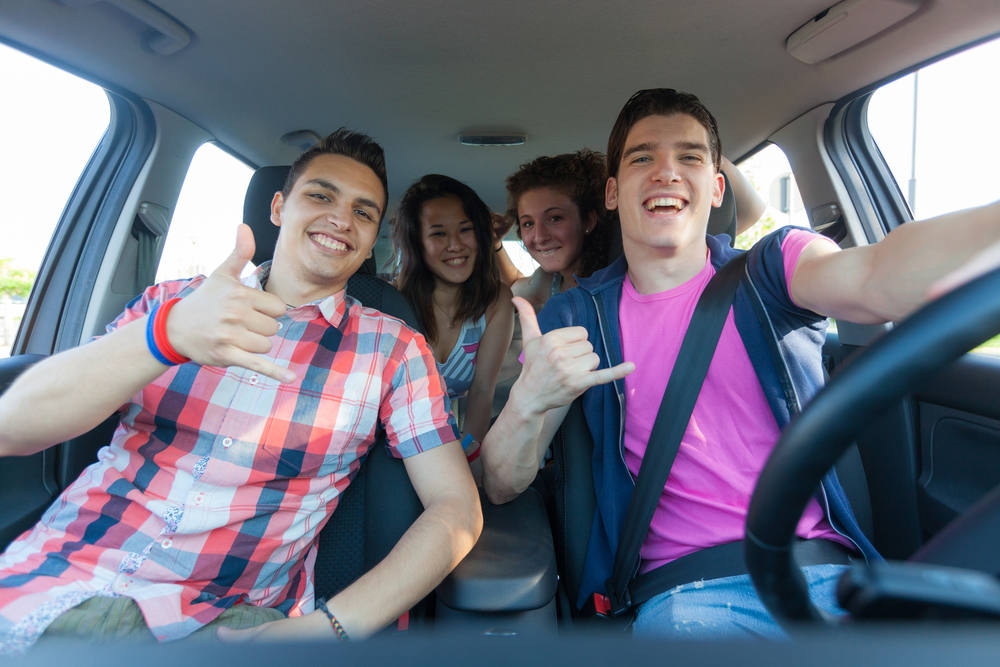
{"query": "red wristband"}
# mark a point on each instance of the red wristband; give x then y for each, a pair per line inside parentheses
(160, 333)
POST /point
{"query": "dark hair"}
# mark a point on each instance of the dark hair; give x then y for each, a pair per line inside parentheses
(415, 280)
(355, 145)
(660, 102)
(581, 176)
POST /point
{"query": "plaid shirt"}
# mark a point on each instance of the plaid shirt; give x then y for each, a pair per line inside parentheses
(215, 485)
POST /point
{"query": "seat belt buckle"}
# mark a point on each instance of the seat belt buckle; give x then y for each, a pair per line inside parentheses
(601, 604)
(617, 603)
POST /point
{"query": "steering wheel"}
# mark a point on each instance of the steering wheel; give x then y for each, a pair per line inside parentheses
(933, 337)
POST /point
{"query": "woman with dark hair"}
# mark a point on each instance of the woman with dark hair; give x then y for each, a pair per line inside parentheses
(558, 205)
(443, 239)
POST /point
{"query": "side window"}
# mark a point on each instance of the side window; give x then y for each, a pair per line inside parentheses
(770, 173)
(209, 209)
(50, 124)
(936, 130)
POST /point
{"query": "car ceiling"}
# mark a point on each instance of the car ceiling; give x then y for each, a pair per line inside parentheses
(415, 75)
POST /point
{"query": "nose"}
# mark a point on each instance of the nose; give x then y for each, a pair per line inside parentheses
(340, 216)
(542, 233)
(454, 243)
(666, 170)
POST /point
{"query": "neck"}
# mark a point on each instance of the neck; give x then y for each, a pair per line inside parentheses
(568, 275)
(446, 294)
(297, 292)
(654, 270)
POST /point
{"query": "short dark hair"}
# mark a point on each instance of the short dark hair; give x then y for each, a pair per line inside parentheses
(660, 102)
(582, 176)
(355, 145)
(415, 280)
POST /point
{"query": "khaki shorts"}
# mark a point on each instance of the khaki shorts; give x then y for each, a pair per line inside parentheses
(103, 619)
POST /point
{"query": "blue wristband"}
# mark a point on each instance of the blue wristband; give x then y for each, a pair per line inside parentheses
(466, 441)
(151, 339)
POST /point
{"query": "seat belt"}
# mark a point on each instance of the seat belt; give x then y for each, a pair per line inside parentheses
(679, 398)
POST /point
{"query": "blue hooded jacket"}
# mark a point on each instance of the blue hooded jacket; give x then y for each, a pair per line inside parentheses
(800, 334)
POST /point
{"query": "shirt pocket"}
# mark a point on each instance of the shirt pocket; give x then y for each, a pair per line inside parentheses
(313, 431)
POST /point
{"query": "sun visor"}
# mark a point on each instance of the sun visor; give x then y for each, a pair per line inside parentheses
(844, 25)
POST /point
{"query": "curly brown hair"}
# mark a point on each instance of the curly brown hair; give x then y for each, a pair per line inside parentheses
(582, 176)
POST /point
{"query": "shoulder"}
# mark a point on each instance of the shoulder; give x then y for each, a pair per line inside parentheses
(534, 287)
(568, 309)
(153, 296)
(501, 304)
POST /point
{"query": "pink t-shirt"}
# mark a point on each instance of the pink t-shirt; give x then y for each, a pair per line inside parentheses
(731, 432)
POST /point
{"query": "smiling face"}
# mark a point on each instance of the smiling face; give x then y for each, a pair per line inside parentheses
(449, 240)
(329, 224)
(666, 185)
(551, 229)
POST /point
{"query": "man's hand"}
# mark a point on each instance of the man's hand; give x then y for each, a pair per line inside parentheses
(559, 366)
(311, 627)
(225, 323)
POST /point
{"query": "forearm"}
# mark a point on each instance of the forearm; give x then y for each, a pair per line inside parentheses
(511, 450)
(479, 411)
(74, 391)
(749, 205)
(508, 272)
(437, 541)
(916, 255)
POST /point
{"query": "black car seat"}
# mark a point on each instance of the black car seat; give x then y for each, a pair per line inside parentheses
(573, 449)
(380, 503)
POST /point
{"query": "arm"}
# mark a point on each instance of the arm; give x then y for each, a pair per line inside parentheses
(222, 323)
(558, 367)
(528, 288)
(489, 358)
(749, 205)
(888, 280)
(508, 272)
(431, 548)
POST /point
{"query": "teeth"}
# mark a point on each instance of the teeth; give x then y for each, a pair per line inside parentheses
(547, 252)
(663, 202)
(327, 242)
(456, 261)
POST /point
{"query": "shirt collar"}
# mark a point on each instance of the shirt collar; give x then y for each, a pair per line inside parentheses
(333, 307)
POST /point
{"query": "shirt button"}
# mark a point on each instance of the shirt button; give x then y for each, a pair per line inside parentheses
(199, 499)
(167, 543)
(253, 380)
(280, 326)
(227, 442)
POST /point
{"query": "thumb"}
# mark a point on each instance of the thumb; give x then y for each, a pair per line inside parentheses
(243, 253)
(529, 321)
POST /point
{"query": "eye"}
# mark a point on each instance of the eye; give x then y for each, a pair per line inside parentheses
(527, 224)
(642, 159)
(319, 197)
(555, 218)
(363, 213)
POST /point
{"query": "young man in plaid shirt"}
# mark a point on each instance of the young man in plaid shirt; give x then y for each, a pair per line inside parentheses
(246, 409)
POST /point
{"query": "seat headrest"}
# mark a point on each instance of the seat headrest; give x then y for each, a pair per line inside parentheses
(257, 209)
(257, 214)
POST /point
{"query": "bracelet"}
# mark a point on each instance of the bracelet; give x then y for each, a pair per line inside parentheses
(334, 623)
(156, 335)
(499, 249)
(467, 442)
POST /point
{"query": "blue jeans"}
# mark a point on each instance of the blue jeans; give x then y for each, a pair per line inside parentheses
(727, 608)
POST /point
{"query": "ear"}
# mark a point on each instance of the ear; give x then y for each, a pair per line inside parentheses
(719, 189)
(276, 203)
(591, 222)
(611, 194)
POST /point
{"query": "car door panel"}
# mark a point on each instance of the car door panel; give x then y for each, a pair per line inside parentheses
(959, 438)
